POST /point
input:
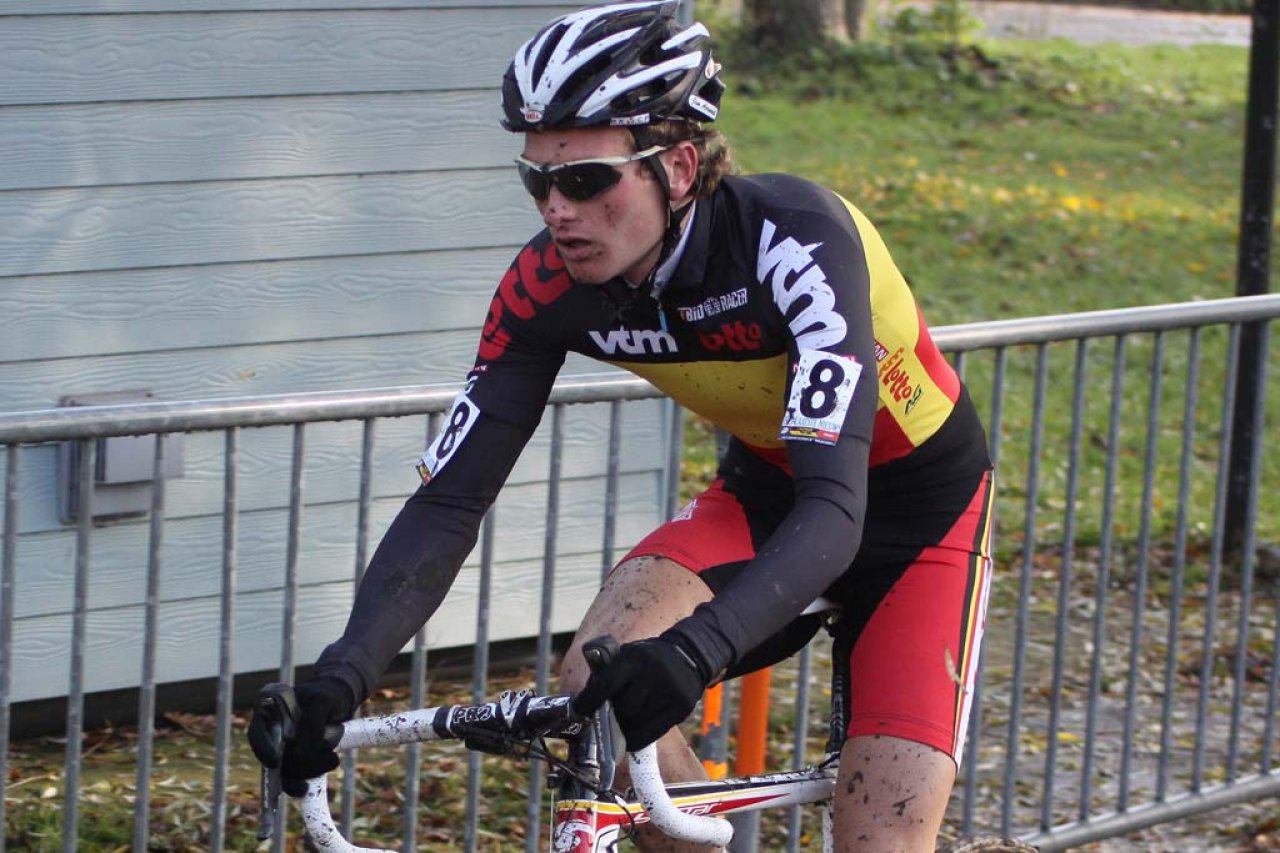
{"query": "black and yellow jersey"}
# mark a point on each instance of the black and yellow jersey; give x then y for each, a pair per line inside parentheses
(781, 318)
(773, 266)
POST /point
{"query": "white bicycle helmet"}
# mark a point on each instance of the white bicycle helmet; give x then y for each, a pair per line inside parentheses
(625, 65)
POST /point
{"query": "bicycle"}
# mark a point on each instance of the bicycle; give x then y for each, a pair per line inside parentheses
(588, 815)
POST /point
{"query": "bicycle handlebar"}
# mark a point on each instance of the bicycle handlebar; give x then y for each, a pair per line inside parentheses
(645, 777)
(519, 713)
(321, 830)
(647, 780)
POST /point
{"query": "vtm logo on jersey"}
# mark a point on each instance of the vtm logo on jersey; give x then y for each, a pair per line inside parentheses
(796, 274)
(634, 341)
(738, 336)
(536, 278)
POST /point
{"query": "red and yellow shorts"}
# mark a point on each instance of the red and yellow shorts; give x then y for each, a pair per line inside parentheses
(912, 603)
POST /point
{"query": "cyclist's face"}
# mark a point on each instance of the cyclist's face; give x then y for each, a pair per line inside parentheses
(619, 231)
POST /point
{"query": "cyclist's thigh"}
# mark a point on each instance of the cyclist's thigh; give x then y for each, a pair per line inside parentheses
(716, 535)
(908, 640)
(670, 572)
(642, 597)
(713, 536)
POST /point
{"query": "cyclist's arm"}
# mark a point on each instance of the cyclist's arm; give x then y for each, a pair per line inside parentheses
(480, 439)
(819, 538)
(806, 553)
(420, 554)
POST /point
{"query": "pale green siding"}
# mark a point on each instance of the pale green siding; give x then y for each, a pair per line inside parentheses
(239, 197)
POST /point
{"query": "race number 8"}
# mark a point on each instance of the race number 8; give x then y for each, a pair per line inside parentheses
(818, 399)
(461, 418)
(820, 395)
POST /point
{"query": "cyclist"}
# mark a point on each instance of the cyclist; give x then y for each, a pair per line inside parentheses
(857, 468)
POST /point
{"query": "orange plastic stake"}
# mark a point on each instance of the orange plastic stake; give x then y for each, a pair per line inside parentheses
(711, 747)
(753, 723)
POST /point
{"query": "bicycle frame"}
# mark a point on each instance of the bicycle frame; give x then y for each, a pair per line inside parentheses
(596, 826)
(584, 821)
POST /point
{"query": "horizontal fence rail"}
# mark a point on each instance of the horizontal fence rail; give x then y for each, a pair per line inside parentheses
(282, 409)
(1129, 675)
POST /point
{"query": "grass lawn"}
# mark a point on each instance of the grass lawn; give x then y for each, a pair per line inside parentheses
(1046, 177)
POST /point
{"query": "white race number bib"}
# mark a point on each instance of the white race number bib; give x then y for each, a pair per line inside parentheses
(820, 396)
(457, 424)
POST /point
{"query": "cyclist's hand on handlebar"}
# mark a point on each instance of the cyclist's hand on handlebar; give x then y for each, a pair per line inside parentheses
(321, 702)
(653, 685)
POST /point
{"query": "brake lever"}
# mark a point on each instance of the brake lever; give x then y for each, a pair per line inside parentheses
(269, 790)
(277, 701)
(599, 653)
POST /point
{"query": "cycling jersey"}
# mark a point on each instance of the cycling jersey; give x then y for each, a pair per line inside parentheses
(782, 319)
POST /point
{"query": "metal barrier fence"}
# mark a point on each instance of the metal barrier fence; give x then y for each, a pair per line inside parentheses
(1118, 497)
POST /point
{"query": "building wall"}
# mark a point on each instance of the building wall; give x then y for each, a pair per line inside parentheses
(220, 198)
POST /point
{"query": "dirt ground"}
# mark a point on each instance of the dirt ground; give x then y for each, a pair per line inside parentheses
(1243, 828)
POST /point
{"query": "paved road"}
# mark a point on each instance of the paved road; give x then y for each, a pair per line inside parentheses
(1094, 24)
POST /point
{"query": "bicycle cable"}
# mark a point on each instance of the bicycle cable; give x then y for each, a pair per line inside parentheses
(537, 748)
(543, 752)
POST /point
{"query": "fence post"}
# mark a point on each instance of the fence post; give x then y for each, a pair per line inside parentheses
(1253, 269)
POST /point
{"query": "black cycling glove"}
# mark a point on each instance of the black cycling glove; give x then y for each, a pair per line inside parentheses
(321, 702)
(653, 685)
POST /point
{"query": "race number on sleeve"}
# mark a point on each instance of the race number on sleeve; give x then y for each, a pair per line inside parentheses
(820, 396)
(457, 424)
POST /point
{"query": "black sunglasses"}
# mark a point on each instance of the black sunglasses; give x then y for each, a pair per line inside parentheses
(577, 180)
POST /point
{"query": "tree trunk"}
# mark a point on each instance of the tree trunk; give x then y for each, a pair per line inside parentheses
(859, 16)
(834, 21)
(794, 25)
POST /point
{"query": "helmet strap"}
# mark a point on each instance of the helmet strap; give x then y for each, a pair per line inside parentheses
(660, 172)
(670, 239)
(642, 139)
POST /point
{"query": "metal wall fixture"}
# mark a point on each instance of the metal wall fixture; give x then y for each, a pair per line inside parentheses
(123, 469)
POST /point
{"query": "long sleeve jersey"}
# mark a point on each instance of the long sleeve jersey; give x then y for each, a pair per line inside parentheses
(784, 321)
